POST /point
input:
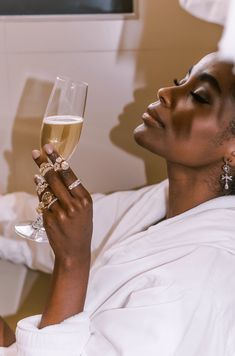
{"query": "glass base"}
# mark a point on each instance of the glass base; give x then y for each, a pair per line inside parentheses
(30, 230)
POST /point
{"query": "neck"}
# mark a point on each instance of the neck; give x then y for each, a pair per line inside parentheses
(190, 187)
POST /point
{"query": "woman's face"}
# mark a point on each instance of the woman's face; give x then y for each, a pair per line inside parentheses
(191, 121)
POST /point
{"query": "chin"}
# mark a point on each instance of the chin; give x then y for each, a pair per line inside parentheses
(142, 138)
(138, 134)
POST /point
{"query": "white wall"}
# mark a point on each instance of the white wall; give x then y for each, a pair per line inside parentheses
(124, 62)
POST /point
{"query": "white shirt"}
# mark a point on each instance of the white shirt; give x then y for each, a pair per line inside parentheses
(166, 289)
(221, 12)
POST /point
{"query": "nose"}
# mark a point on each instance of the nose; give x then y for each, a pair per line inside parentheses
(165, 96)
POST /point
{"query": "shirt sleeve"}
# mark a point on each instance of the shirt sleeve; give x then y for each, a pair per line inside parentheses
(8, 351)
(148, 323)
(66, 338)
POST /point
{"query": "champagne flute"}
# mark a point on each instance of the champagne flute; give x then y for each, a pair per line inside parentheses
(61, 126)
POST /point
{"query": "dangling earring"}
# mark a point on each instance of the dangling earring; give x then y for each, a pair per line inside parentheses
(226, 177)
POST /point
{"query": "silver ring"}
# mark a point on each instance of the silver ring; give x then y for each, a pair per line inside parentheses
(51, 203)
(74, 184)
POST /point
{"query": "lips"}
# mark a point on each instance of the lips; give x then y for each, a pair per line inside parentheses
(152, 114)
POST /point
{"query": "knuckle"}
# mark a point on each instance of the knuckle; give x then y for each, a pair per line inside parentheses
(71, 210)
(61, 216)
(86, 202)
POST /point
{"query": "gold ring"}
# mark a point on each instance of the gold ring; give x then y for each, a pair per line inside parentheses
(47, 198)
(60, 164)
(40, 208)
(52, 202)
(45, 167)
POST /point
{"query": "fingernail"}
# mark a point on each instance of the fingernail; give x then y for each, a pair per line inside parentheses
(48, 148)
(35, 154)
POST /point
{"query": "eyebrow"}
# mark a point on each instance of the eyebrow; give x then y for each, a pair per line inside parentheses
(206, 77)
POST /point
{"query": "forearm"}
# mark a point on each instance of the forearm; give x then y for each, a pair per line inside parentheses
(7, 336)
(68, 224)
(68, 292)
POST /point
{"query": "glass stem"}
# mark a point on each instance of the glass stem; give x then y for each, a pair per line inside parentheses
(38, 223)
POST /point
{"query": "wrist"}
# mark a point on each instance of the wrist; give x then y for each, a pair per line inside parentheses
(72, 264)
(68, 290)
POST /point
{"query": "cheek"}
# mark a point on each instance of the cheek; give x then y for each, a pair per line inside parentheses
(190, 123)
(182, 126)
(193, 143)
(198, 125)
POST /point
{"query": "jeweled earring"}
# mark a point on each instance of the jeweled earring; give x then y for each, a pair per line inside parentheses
(226, 177)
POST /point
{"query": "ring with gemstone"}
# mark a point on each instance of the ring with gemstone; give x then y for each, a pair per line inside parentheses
(47, 198)
(41, 187)
(60, 164)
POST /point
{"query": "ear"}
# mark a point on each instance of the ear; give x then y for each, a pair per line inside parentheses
(230, 158)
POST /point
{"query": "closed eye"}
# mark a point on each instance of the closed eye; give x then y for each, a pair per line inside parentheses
(197, 97)
(200, 99)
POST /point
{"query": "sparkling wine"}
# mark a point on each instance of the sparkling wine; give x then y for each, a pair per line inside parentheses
(63, 132)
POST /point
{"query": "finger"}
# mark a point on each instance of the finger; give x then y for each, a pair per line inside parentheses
(42, 189)
(54, 181)
(67, 176)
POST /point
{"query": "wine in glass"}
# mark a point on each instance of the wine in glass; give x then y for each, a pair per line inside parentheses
(61, 126)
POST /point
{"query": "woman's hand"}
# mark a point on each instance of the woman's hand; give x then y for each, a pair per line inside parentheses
(7, 336)
(68, 224)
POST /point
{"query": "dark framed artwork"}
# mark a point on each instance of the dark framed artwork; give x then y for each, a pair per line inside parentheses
(65, 7)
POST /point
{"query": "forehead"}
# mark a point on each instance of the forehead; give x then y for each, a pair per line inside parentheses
(222, 71)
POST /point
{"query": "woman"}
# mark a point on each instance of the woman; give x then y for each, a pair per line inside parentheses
(162, 258)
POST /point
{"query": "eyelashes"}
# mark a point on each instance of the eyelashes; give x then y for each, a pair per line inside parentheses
(176, 82)
(200, 99)
(197, 97)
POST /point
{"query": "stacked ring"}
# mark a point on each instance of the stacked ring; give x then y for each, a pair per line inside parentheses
(47, 200)
(60, 164)
(45, 167)
(51, 203)
(39, 179)
(40, 208)
(41, 184)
